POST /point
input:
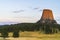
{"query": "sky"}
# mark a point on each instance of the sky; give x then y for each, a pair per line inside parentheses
(21, 11)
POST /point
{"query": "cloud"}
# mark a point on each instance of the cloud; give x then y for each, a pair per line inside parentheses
(40, 10)
(36, 8)
(19, 19)
(18, 11)
(58, 19)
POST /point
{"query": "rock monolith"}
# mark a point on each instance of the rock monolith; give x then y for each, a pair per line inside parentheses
(47, 17)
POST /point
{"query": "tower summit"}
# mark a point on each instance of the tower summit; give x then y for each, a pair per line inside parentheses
(47, 17)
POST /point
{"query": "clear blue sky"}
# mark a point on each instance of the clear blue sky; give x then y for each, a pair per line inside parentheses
(27, 10)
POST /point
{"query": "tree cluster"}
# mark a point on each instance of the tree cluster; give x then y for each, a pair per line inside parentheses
(16, 28)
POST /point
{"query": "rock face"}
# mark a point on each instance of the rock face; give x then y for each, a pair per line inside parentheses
(47, 14)
(47, 17)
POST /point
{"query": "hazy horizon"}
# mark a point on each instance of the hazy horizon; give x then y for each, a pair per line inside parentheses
(21, 11)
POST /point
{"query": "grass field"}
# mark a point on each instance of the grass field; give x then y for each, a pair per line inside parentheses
(38, 36)
(34, 36)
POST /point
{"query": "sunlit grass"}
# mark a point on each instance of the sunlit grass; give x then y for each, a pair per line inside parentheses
(36, 35)
(39, 36)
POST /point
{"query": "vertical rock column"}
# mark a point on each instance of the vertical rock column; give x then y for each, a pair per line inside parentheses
(47, 17)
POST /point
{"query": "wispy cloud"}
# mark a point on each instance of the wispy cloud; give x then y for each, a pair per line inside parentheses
(18, 19)
(58, 19)
(36, 8)
(40, 10)
(18, 11)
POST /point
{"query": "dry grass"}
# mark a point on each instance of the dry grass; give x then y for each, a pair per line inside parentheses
(38, 36)
(34, 36)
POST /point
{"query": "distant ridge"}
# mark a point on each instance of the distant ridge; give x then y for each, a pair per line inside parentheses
(7, 23)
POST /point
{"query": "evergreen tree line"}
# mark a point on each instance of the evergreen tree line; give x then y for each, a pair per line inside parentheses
(16, 28)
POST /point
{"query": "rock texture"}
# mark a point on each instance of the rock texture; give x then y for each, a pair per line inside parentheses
(47, 17)
(47, 14)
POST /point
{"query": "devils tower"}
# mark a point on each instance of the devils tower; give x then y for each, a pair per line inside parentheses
(47, 17)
